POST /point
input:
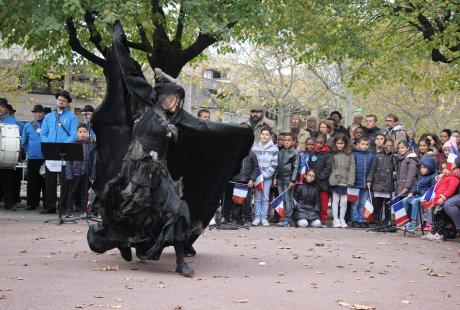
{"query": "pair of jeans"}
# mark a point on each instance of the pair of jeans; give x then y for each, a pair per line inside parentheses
(261, 200)
(288, 199)
(357, 208)
(412, 204)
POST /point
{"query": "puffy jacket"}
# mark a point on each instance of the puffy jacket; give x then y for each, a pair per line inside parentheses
(31, 141)
(249, 169)
(381, 172)
(343, 170)
(407, 172)
(53, 124)
(307, 197)
(321, 163)
(446, 187)
(87, 166)
(424, 182)
(288, 165)
(363, 162)
(267, 157)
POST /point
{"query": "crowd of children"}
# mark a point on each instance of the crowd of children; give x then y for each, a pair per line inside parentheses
(361, 175)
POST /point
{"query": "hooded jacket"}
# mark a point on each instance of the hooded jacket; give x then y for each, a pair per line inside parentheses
(307, 197)
(407, 172)
(363, 162)
(446, 187)
(381, 172)
(343, 170)
(424, 182)
(267, 157)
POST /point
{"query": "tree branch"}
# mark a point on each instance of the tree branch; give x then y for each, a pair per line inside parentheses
(180, 26)
(94, 36)
(159, 23)
(76, 46)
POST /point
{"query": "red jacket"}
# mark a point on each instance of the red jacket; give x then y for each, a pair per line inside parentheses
(446, 187)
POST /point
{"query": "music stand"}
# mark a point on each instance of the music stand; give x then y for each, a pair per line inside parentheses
(62, 152)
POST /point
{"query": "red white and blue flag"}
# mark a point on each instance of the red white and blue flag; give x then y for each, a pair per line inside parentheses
(427, 198)
(240, 191)
(451, 157)
(259, 183)
(399, 213)
(278, 205)
(368, 211)
(303, 170)
(352, 194)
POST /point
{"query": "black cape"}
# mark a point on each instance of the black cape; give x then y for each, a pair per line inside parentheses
(206, 154)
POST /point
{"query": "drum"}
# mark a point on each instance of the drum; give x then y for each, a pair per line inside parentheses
(9, 146)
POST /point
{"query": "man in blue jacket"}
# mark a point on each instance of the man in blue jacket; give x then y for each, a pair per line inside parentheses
(30, 141)
(59, 126)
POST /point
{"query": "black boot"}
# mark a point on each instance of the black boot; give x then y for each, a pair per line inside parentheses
(181, 266)
(189, 251)
(125, 252)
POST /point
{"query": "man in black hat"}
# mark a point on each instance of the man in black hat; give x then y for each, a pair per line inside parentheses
(87, 113)
(31, 143)
(59, 126)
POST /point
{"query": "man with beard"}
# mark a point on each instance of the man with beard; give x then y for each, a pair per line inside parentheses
(299, 134)
(257, 121)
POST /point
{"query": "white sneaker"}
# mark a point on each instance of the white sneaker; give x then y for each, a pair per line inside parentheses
(256, 222)
(336, 224)
(265, 223)
(435, 237)
(343, 224)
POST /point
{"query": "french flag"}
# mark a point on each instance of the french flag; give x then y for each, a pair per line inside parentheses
(303, 170)
(278, 205)
(427, 198)
(399, 213)
(240, 191)
(259, 183)
(352, 194)
(452, 156)
(368, 211)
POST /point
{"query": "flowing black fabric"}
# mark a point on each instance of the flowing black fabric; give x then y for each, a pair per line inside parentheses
(205, 155)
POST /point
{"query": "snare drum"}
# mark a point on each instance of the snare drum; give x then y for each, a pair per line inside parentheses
(9, 146)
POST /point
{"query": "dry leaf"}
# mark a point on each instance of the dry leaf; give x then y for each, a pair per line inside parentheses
(118, 299)
(178, 307)
(433, 274)
(313, 285)
(2, 297)
(355, 306)
(240, 301)
(290, 290)
(405, 302)
(108, 268)
(318, 243)
(23, 251)
(98, 296)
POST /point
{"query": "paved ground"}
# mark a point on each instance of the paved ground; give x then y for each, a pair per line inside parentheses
(44, 266)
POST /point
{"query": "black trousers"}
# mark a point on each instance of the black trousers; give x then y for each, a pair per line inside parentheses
(77, 193)
(35, 182)
(6, 184)
(17, 178)
(227, 201)
(51, 182)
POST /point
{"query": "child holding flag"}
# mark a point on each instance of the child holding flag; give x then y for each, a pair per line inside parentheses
(306, 195)
(416, 194)
(342, 177)
(286, 177)
(323, 168)
(267, 158)
(363, 160)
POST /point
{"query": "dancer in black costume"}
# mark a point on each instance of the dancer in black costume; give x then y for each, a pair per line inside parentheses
(160, 171)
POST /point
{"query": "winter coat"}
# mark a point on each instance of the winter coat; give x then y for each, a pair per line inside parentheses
(31, 141)
(85, 167)
(321, 163)
(54, 124)
(307, 197)
(267, 157)
(363, 162)
(288, 166)
(343, 170)
(381, 172)
(249, 169)
(446, 187)
(424, 182)
(407, 172)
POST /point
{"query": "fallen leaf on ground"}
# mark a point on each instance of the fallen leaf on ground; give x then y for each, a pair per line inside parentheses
(2, 297)
(240, 300)
(98, 296)
(313, 285)
(355, 306)
(108, 268)
(433, 274)
(118, 299)
(23, 251)
(318, 243)
(15, 278)
(177, 307)
(290, 290)
(405, 302)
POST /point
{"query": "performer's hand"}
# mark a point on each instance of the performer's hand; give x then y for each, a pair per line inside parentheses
(251, 184)
(369, 184)
(291, 184)
(275, 182)
(410, 195)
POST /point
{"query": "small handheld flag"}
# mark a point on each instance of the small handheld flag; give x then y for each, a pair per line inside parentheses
(259, 183)
(303, 170)
(427, 198)
(399, 213)
(352, 194)
(453, 153)
(368, 211)
(278, 205)
(240, 191)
